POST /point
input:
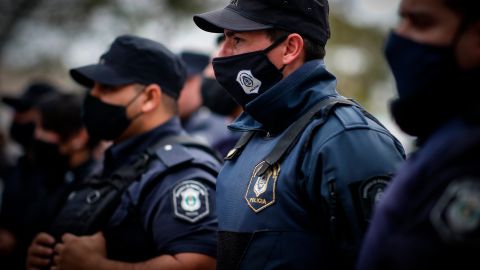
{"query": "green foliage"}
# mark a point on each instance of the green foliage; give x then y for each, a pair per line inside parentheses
(369, 41)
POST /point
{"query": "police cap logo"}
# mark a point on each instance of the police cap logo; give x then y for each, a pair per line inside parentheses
(234, 2)
(456, 215)
(249, 84)
(190, 201)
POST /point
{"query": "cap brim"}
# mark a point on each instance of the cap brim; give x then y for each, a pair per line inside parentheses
(17, 103)
(218, 20)
(99, 73)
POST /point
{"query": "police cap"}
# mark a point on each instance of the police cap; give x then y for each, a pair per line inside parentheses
(132, 59)
(306, 17)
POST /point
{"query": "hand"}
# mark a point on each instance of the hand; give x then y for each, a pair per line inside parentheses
(80, 252)
(40, 252)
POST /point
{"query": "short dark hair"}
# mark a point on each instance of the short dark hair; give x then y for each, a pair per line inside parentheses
(62, 114)
(313, 50)
(468, 9)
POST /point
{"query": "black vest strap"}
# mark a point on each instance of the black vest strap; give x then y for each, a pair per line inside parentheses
(96, 198)
(240, 145)
(291, 136)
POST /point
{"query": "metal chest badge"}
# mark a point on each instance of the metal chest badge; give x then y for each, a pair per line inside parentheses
(261, 188)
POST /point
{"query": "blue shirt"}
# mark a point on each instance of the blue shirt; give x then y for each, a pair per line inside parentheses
(284, 215)
(212, 129)
(163, 212)
(430, 215)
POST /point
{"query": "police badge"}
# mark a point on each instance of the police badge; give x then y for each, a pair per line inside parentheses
(190, 201)
(456, 215)
(261, 188)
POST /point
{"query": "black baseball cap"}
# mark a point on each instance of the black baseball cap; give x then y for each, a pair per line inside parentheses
(306, 17)
(132, 59)
(195, 61)
(30, 96)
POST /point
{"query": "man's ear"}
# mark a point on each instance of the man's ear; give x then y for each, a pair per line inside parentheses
(80, 139)
(468, 51)
(154, 95)
(476, 40)
(293, 50)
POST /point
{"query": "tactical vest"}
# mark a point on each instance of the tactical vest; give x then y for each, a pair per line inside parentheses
(233, 245)
(89, 208)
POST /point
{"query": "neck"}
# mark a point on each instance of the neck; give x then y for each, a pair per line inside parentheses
(79, 157)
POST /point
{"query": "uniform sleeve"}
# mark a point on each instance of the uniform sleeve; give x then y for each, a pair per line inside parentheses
(181, 217)
(349, 172)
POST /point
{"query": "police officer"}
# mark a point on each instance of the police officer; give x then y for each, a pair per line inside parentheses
(66, 153)
(198, 120)
(297, 190)
(25, 179)
(430, 215)
(164, 218)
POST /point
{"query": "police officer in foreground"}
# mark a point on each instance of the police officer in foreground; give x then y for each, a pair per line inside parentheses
(165, 217)
(430, 215)
(297, 190)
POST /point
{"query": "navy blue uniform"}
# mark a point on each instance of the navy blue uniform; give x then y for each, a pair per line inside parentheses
(437, 227)
(212, 129)
(162, 214)
(282, 220)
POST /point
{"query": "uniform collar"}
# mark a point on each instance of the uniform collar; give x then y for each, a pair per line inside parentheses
(285, 102)
(128, 150)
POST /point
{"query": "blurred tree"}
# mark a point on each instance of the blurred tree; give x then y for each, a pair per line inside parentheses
(354, 52)
(27, 26)
(70, 16)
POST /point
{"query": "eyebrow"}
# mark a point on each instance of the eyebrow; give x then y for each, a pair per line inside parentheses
(230, 33)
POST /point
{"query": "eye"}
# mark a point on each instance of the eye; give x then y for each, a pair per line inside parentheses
(107, 88)
(421, 22)
(417, 20)
(236, 40)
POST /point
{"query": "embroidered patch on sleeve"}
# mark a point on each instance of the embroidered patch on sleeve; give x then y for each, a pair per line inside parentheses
(366, 195)
(456, 215)
(190, 201)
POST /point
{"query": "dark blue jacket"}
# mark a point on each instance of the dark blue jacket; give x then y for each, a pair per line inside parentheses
(163, 213)
(335, 171)
(430, 215)
(212, 129)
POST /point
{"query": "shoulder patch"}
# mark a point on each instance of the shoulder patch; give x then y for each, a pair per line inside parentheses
(366, 194)
(456, 215)
(190, 201)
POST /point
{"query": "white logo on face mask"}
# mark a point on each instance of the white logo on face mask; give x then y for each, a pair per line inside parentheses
(250, 84)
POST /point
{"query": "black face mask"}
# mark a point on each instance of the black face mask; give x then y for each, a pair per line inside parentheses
(429, 82)
(22, 133)
(47, 156)
(105, 121)
(246, 76)
(216, 98)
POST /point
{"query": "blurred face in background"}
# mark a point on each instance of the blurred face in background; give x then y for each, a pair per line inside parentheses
(432, 22)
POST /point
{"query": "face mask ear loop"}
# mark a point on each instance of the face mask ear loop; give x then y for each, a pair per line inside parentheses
(133, 100)
(135, 97)
(275, 43)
